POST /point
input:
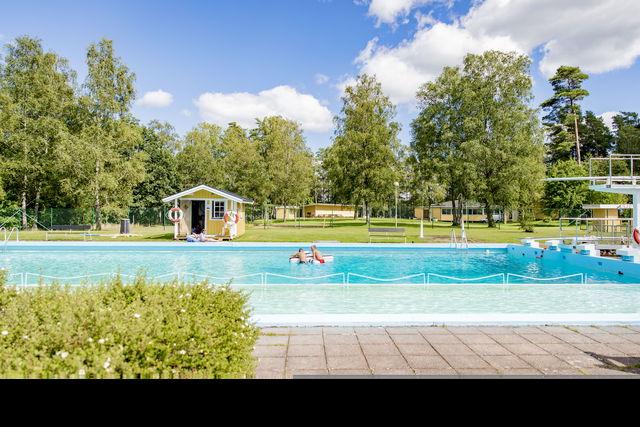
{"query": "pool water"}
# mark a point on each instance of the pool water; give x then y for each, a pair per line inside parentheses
(360, 282)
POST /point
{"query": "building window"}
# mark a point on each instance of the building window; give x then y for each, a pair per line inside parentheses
(447, 211)
(218, 209)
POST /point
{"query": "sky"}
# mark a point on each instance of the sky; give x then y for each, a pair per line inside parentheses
(237, 60)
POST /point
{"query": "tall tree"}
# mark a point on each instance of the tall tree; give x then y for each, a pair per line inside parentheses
(503, 138)
(103, 164)
(627, 132)
(597, 139)
(438, 137)
(564, 111)
(288, 168)
(362, 161)
(200, 158)
(37, 89)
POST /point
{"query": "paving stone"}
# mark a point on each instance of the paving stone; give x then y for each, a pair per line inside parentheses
(562, 372)
(508, 338)
(338, 331)
(306, 362)
(442, 339)
(541, 338)
(417, 349)
(278, 330)
(370, 331)
(628, 348)
(503, 363)
(402, 331)
(375, 339)
(466, 362)
(574, 338)
(600, 349)
(269, 375)
(306, 331)
(489, 349)
(437, 372)
(476, 339)
(497, 330)
(305, 350)
(450, 349)
(608, 338)
(521, 349)
(433, 330)
(386, 362)
(408, 339)
(560, 349)
(583, 361)
(547, 362)
(477, 372)
(347, 362)
(272, 339)
(585, 330)
(394, 372)
(306, 372)
(350, 372)
(271, 363)
(380, 349)
(427, 362)
(607, 371)
(525, 330)
(618, 330)
(521, 372)
(270, 351)
(464, 330)
(343, 350)
(306, 339)
(553, 330)
(341, 339)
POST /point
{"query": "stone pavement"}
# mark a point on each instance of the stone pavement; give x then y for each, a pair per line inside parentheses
(531, 350)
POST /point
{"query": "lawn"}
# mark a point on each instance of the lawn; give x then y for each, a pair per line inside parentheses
(342, 230)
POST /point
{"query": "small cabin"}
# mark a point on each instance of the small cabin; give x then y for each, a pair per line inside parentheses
(213, 211)
(328, 210)
(606, 217)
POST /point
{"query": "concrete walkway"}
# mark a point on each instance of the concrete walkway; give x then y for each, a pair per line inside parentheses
(531, 350)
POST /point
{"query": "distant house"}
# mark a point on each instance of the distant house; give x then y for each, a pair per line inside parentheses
(607, 216)
(206, 208)
(316, 210)
(472, 212)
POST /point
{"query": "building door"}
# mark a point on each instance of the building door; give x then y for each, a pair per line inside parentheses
(198, 222)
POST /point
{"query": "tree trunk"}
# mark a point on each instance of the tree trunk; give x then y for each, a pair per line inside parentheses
(455, 212)
(575, 123)
(366, 213)
(37, 207)
(24, 210)
(490, 221)
(97, 201)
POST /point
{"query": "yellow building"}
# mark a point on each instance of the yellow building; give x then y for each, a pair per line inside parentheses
(472, 212)
(206, 208)
(327, 210)
(606, 218)
(293, 212)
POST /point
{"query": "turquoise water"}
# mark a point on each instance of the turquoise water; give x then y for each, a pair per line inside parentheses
(307, 291)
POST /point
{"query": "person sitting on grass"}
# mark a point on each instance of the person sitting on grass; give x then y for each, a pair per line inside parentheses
(317, 255)
(301, 255)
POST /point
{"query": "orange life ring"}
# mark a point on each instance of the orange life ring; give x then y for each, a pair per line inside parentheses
(227, 216)
(636, 235)
(175, 218)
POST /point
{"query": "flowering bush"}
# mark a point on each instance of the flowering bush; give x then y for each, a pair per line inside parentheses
(117, 330)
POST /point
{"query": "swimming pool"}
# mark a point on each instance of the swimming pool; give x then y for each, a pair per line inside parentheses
(366, 284)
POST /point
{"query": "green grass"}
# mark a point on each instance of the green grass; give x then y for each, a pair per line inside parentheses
(342, 230)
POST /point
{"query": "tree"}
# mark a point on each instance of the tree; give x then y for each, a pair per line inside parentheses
(597, 140)
(243, 165)
(102, 163)
(288, 168)
(37, 89)
(159, 141)
(569, 195)
(627, 133)
(563, 111)
(503, 139)
(362, 160)
(200, 158)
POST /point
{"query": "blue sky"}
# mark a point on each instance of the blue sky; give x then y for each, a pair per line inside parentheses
(232, 60)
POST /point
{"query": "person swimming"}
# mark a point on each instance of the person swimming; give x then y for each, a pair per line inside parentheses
(301, 255)
(317, 255)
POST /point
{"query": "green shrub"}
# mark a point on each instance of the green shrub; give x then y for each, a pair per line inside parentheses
(137, 330)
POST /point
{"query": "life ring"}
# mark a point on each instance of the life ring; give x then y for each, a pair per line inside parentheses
(175, 215)
(229, 214)
(636, 235)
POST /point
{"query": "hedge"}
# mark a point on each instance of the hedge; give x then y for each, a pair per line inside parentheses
(116, 330)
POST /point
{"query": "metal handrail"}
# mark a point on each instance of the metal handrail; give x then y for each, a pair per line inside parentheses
(386, 280)
(464, 280)
(582, 277)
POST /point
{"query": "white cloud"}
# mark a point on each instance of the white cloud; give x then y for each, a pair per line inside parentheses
(158, 98)
(244, 108)
(607, 118)
(389, 11)
(186, 113)
(321, 78)
(596, 35)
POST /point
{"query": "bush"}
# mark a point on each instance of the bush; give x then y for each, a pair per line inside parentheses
(138, 330)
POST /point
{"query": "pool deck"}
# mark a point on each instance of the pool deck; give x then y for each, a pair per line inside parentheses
(539, 351)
